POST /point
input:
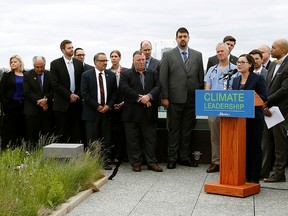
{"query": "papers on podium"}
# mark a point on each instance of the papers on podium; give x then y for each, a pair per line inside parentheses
(276, 117)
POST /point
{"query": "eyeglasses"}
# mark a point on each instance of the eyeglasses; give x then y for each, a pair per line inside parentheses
(241, 62)
(80, 55)
(103, 60)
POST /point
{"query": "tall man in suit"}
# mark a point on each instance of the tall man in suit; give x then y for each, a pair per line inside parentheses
(80, 55)
(141, 88)
(38, 104)
(99, 92)
(258, 68)
(66, 75)
(151, 63)
(266, 53)
(277, 83)
(230, 41)
(181, 73)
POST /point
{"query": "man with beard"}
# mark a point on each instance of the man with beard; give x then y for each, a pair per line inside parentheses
(181, 73)
(66, 75)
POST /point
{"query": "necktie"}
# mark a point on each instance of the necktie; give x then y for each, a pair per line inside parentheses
(185, 59)
(147, 64)
(278, 61)
(101, 87)
(142, 78)
(71, 75)
(40, 81)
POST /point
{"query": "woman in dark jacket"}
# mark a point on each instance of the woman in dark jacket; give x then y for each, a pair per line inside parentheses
(254, 126)
(12, 99)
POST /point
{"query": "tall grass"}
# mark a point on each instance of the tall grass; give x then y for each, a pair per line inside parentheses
(29, 184)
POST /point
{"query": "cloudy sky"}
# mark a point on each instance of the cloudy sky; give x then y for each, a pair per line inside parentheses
(30, 27)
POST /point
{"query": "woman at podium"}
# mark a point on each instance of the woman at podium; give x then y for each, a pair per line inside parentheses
(254, 126)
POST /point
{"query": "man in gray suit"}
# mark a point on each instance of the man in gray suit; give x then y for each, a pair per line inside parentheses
(181, 73)
(277, 83)
(258, 68)
(151, 63)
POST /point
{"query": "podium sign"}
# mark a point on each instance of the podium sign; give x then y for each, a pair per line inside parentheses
(223, 103)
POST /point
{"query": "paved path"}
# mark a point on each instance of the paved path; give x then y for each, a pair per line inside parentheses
(177, 192)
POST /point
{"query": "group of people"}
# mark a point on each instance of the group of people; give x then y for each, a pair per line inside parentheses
(82, 103)
(265, 148)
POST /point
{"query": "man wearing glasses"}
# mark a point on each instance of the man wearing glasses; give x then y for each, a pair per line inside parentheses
(80, 55)
(99, 93)
(214, 80)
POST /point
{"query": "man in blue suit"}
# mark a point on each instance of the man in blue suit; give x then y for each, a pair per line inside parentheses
(99, 93)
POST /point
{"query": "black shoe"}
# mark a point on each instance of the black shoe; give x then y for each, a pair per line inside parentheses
(275, 178)
(171, 165)
(188, 163)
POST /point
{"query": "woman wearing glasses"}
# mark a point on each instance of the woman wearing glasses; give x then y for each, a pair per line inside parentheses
(254, 126)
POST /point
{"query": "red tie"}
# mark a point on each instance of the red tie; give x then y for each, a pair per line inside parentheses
(102, 96)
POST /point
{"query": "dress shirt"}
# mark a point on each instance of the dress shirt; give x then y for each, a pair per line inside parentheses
(98, 86)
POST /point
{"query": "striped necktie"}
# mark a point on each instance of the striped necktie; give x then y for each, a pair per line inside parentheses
(101, 87)
(185, 59)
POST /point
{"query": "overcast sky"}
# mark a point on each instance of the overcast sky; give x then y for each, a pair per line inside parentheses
(30, 27)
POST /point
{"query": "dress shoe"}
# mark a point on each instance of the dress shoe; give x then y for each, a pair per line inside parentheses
(188, 163)
(155, 168)
(213, 168)
(275, 178)
(171, 165)
(136, 168)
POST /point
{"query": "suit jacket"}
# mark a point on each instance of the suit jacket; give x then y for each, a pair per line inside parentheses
(177, 81)
(268, 65)
(257, 83)
(154, 64)
(278, 87)
(214, 60)
(264, 72)
(131, 87)
(89, 94)
(7, 87)
(33, 92)
(87, 67)
(60, 81)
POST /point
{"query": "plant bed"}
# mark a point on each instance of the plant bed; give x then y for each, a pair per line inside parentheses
(32, 185)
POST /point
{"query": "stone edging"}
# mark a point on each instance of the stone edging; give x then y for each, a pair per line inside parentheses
(77, 199)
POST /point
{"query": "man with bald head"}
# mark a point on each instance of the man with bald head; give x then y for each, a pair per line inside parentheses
(266, 52)
(151, 63)
(277, 83)
(38, 104)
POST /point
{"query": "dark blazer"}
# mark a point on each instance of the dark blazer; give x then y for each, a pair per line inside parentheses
(60, 81)
(268, 65)
(131, 87)
(214, 60)
(264, 72)
(154, 64)
(278, 87)
(7, 87)
(257, 83)
(33, 92)
(177, 81)
(90, 95)
(87, 67)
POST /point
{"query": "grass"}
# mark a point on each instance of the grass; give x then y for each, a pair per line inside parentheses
(29, 185)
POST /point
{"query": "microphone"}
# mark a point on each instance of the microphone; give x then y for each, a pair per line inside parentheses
(229, 73)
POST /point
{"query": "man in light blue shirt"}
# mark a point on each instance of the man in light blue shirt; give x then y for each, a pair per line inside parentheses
(216, 79)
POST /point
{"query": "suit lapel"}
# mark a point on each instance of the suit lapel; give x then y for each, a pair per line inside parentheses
(180, 59)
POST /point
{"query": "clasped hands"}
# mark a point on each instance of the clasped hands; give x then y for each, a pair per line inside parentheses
(144, 99)
(74, 98)
(266, 110)
(103, 109)
(43, 103)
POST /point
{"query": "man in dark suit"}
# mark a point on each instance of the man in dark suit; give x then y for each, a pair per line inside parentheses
(99, 92)
(151, 63)
(141, 88)
(38, 104)
(258, 67)
(266, 53)
(80, 55)
(66, 75)
(230, 41)
(277, 83)
(181, 73)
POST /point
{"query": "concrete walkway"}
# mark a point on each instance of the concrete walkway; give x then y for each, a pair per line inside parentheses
(177, 192)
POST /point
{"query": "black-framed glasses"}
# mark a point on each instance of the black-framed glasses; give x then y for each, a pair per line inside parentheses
(241, 62)
(80, 55)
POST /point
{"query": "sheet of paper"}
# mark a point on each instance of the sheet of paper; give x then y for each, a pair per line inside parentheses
(276, 117)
